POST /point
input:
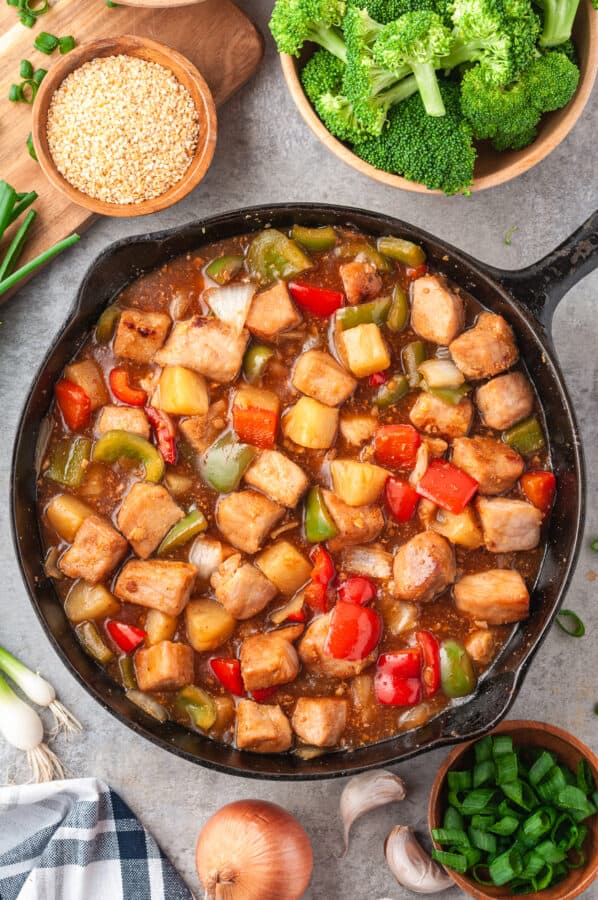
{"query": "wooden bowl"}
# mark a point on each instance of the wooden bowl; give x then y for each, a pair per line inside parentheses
(569, 750)
(142, 48)
(492, 168)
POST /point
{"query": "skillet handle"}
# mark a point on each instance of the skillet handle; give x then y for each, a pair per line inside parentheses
(542, 285)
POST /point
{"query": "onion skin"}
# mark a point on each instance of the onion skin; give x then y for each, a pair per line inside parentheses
(253, 850)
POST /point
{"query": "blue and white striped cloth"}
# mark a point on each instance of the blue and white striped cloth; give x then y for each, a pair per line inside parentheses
(78, 840)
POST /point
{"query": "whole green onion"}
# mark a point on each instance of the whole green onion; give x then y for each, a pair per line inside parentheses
(34, 264)
(16, 246)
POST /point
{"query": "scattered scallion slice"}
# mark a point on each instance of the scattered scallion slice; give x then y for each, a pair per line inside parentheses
(27, 20)
(15, 93)
(569, 622)
(594, 546)
(39, 75)
(26, 69)
(31, 148)
(66, 44)
(46, 42)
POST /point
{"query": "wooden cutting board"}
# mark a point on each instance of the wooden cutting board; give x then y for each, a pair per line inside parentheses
(215, 35)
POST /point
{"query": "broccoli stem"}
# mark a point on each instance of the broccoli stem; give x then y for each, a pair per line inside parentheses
(558, 21)
(461, 53)
(400, 91)
(425, 75)
(330, 39)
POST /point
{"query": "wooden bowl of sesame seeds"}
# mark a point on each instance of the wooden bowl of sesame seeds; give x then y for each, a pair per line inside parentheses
(124, 126)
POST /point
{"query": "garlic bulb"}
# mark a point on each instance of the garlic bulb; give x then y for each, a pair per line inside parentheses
(412, 867)
(366, 792)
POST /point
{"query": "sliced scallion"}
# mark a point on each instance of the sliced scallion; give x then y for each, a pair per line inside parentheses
(66, 44)
(26, 69)
(39, 75)
(46, 42)
(27, 20)
(31, 148)
(569, 622)
(594, 546)
(15, 93)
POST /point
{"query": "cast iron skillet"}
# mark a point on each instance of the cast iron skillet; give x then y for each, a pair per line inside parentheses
(526, 298)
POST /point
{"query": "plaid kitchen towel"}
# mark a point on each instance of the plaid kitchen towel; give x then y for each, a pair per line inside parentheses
(78, 840)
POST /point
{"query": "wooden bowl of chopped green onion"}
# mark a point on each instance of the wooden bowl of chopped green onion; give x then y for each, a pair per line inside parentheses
(516, 813)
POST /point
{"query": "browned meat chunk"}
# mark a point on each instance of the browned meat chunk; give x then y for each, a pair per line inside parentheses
(261, 728)
(140, 334)
(319, 721)
(433, 415)
(201, 431)
(497, 596)
(267, 660)
(242, 589)
(357, 428)
(356, 524)
(88, 375)
(123, 418)
(505, 400)
(423, 568)
(437, 314)
(480, 645)
(316, 661)
(360, 281)
(207, 346)
(436, 447)
(494, 465)
(246, 518)
(272, 311)
(279, 477)
(96, 551)
(318, 375)
(486, 349)
(163, 585)
(147, 513)
(509, 525)
(164, 667)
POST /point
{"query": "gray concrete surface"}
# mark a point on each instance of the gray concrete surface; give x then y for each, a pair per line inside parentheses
(265, 153)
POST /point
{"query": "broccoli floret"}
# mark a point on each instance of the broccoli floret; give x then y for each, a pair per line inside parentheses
(418, 41)
(570, 51)
(293, 22)
(385, 11)
(322, 74)
(343, 120)
(558, 17)
(436, 151)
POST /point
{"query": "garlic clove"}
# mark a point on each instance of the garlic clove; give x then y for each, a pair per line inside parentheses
(412, 867)
(366, 792)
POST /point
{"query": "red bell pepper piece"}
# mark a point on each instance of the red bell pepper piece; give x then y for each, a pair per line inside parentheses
(397, 681)
(397, 445)
(126, 637)
(123, 391)
(228, 673)
(357, 589)
(255, 426)
(315, 596)
(354, 631)
(73, 403)
(316, 300)
(430, 675)
(400, 499)
(323, 570)
(539, 487)
(447, 486)
(165, 433)
(413, 272)
(262, 694)
(377, 379)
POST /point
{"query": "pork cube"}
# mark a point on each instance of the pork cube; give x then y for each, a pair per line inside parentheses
(318, 662)
(201, 431)
(319, 721)
(480, 645)
(140, 334)
(267, 660)
(242, 589)
(272, 311)
(318, 375)
(146, 514)
(437, 313)
(95, 553)
(279, 477)
(357, 428)
(88, 375)
(122, 418)
(433, 415)
(436, 447)
(360, 281)
(164, 585)
(261, 728)
(497, 596)
(505, 400)
(423, 568)
(164, 667)
(245, 518)
(205, 345)
(509, 525)
(356, 524)
(494, 465)
(486, 349)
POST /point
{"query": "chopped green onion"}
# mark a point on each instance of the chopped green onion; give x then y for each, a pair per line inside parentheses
(594, 546)
(505, 826)
(541, 767)
(502, 744)
(564, 832)
(510, 234)
(505, 867)
(477, 800)
(550, 852)
(575, 628)
(33, 10)
(483, 840)
(46, 43)
(39, 75)
(483, 749)
(27, 20)
(537, 825)
(455, 861)
(454, 836)
(29, 90)
(452, 818)
(110, 4)
(66, 44)
(31, 148)
(506, 768)
(26, 69)
(459, 781)
(15, 93)
(484, 773)
(482, 822)
(585, 778)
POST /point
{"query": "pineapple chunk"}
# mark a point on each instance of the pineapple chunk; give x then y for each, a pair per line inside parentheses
(357, 483)
(90, 601)
(66, 514)
(159, 626)
(311, 424)
(459, 528)
(181, 392)
(284, 566)
(364, 349)
(208, 624)
(248, 397)
(358, 428)
(88, 375)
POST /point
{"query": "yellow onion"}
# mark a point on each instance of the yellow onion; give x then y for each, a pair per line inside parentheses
(253, 850)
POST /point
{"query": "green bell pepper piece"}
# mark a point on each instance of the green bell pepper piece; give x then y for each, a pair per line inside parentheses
(68, 461)
(413, 355)
(403, 251)
(392, 391)
(198, 705)
(90, 637)
(375, 311)
(319, 524)
(525, 437)
(182, 532)
(255, 361)
(107, 324)
(314, 239)
(273, 255)
(398, 315)
(367, 252)
(225, 462)
(457, 675)
(127, 673)
(115, 444)
(451, 395)
(222, 269)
